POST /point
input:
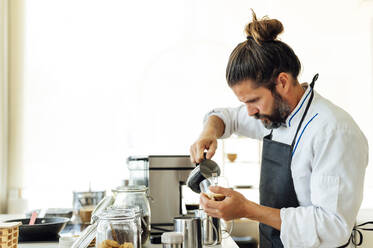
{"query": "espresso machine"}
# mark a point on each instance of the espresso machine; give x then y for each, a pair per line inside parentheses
(165, 176)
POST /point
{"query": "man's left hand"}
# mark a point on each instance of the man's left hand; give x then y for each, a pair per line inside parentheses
(234, 206)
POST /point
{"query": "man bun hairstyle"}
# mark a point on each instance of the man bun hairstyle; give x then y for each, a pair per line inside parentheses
(262, 57)
(264, 30)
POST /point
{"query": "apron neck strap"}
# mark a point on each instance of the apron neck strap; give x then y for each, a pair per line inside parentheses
(314, 80)
(269, 136)
(306, 110)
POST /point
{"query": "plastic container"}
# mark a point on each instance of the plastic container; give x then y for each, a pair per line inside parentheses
(172, 240)
(66, 242)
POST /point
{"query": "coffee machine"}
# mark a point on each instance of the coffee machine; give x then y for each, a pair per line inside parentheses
(165, 176)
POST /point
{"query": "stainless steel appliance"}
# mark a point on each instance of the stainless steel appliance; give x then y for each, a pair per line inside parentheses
(165, 176)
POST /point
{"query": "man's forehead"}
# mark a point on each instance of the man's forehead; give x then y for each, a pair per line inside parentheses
(247, 88)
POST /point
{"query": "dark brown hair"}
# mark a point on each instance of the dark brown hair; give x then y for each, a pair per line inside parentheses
(262, 56)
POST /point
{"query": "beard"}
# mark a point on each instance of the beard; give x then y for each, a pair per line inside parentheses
(280, 111)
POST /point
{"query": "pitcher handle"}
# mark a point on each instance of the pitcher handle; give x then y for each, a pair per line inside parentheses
(102, 205)
(230, 230)
(215, 231)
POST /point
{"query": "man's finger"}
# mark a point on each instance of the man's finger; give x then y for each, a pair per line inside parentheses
(208, 203)
(200, 150)
(192, 154)
(211, 150)
(212, 212)
(204, 197)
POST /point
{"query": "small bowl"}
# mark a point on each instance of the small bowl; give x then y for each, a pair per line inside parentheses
(232, 156)
(44, 229)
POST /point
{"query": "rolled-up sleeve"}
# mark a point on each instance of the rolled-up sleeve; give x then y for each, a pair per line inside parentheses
(337, 180)
(237, 120)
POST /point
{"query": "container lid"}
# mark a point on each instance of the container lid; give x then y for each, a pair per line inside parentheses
(114, 214)
(91, 193)
(132, 188)
(66, 241)
(172, 238)
(120, 209)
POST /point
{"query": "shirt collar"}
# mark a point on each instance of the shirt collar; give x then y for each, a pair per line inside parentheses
(298, 111)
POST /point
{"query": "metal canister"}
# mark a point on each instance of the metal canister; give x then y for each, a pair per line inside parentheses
(190, 227)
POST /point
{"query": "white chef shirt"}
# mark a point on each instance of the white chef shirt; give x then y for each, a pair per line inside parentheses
(328, 168)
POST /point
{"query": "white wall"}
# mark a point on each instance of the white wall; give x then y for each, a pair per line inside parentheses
(3, 101)
(106, 79)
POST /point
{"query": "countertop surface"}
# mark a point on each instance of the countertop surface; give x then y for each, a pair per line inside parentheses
(226, 243)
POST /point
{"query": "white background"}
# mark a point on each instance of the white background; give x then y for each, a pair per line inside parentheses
(105, 79)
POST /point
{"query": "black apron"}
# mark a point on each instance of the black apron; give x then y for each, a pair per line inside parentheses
(276, 186)
(277, 189)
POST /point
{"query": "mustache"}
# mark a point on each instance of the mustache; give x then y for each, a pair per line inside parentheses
(269, 125)
(259, 116)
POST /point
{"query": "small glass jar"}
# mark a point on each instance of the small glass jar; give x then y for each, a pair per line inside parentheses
(138, 212)
(132, 197)
(117, 229)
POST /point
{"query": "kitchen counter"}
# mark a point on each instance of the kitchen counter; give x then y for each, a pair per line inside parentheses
(227, 243)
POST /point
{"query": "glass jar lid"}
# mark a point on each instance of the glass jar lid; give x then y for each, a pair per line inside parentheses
(115, 214)
(132, 188)
(135, 209)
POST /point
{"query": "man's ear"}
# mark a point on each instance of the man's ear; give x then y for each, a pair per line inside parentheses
(283, 83)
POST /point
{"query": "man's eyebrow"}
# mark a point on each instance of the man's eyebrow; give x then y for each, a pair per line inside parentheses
(252, 100)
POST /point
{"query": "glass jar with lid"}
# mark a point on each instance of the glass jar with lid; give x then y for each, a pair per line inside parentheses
(138, 212)
(117, 229)
(130, 197)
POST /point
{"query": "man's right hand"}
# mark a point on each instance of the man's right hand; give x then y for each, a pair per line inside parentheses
(203, 143)
(214, 128)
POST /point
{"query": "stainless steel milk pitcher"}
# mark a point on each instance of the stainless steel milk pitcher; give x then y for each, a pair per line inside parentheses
(191, 228)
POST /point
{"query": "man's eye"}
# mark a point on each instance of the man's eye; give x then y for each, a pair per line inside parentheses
(253, 100)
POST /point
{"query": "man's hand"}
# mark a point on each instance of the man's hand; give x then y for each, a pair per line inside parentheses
(206, 142)
(236, 206)
(213, 129)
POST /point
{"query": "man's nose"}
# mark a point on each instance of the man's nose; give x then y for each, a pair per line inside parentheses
(251, 110)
